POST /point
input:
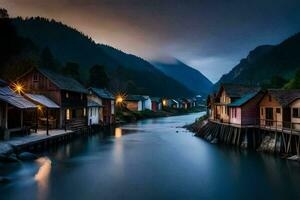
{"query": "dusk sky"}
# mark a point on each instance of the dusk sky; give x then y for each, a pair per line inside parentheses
(211, 36)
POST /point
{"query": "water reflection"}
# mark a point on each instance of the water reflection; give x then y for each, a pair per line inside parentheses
(118, 132)
(42, 176)
(152, 159)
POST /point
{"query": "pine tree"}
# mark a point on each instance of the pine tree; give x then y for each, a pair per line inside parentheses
(98, 77)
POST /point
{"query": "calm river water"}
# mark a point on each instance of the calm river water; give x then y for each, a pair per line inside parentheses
(151, 159)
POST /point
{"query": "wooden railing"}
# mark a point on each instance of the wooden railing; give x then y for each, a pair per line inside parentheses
(265, 124)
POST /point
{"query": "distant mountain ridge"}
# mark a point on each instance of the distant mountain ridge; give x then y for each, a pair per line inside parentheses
(186, 75)
(265, 62)
(68, 44)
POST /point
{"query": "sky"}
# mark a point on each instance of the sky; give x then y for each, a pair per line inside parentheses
(209, 35)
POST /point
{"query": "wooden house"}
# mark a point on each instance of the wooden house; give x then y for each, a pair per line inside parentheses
(106, 108)
(156, 104)
(295, 113)
(138, 102)
(245, 111)
(172, 103)
(147, 104)
(228, 93)
(66, 92)
(95, 112)
(17, 114)
(276, 108)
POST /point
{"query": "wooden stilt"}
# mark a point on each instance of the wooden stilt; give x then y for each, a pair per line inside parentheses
(47, 122)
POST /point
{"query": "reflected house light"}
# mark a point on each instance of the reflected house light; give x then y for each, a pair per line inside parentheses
(42, 175)
(118, 132)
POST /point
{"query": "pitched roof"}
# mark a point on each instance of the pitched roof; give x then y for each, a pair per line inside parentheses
(3, 82)
(135, 98)
(102, 93)
(9, 96)
(92, 103)
(243, 100)
(156, 99)
(63, 82)
(284, 97)
(42, 100)
(237, 91)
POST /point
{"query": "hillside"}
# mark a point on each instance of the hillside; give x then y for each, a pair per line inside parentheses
(186, 75)
(266, 62)
(68, 44)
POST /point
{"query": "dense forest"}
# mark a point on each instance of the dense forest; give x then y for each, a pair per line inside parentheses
(269, 66)
(40, 42)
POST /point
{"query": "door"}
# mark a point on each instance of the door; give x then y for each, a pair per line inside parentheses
(269, 116)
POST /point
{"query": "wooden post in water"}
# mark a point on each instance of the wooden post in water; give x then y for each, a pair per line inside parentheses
(47, 122)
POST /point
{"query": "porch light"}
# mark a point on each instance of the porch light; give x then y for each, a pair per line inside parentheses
(119, 100)
(18, 87)
(39, 107)
(164, 102)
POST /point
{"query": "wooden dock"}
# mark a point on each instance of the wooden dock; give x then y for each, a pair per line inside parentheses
(40, 140)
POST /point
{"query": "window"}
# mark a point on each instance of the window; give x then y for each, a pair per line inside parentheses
(68, 114)
(35, 77)
(262, 111)
(234, 112)
(296, 112)
(84, 112)
(270, 98)
(67, 95)
(278, 110)
(91, 111)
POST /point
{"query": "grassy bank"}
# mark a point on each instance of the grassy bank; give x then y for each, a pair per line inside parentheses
(125, 115)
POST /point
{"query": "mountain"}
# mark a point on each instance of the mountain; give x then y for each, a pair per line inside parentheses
(265, 63)
(69, 45)
(186, 75)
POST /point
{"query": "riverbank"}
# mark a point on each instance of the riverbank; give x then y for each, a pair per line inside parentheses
(12, 150)
(124, 115)
(282, 144)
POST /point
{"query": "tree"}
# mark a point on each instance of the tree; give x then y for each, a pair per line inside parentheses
(98, 77)
(47, 60)
(278, 82)
(71, 69)
(295, 82)
(3, 13)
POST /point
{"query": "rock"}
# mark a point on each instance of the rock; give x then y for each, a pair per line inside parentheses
(27, 156)
(294, 158)
(8, 158)
(214, 141)
(4, 180)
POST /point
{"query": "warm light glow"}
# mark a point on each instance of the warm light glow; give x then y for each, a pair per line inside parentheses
(118, 132)
(68, 114)
(39, 107)
(18, 87)
(42, 176)
(119, 99)
(164, 102)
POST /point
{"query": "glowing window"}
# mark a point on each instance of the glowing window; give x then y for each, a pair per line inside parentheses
(68, 114)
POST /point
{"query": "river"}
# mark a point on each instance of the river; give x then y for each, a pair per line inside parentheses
(151, 159)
